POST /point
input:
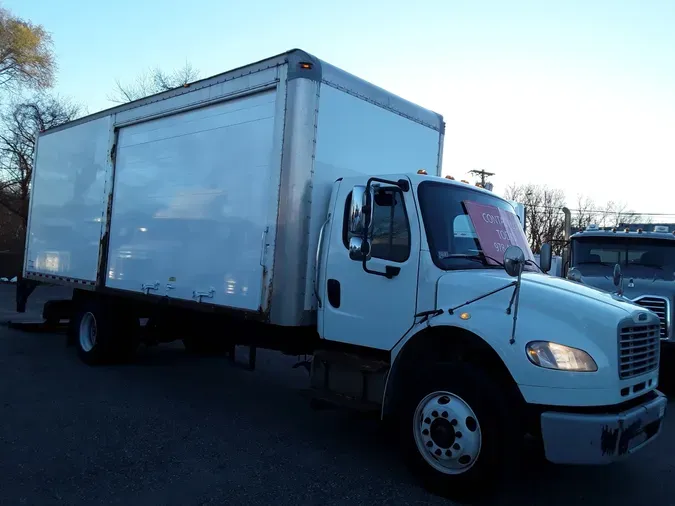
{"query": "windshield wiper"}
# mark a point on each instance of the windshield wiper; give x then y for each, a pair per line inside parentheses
(595, 262)
(480, 257)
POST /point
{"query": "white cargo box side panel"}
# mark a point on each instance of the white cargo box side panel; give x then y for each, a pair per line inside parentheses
(68, 202)
(191, 203)
(355, 137)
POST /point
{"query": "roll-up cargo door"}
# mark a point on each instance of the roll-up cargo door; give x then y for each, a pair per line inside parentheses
(190, 203)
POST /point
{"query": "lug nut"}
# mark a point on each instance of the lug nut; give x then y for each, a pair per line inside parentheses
(453, 422)
(458, 435)
(444, 414)
(425, 432)
(434, 414)
(455, 446)
(429, 444)
(438, 452)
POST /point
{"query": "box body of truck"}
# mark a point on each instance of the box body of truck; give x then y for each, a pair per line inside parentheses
(216, 193)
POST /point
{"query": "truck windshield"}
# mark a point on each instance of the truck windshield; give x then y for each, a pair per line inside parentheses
(628, 251)
(469, 229)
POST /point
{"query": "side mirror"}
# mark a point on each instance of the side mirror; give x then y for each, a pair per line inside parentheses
(358, 250)
(514, 261)
(545, 257)
(618, 279)
(360, 223)
(360, 217)
(617, 275)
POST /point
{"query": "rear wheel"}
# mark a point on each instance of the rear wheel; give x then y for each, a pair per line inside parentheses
(459, 434)
(104, 335)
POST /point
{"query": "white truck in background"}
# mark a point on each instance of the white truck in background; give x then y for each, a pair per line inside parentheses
(279, 205)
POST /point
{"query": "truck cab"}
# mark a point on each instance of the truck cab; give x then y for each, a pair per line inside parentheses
(647, 263)
(484, 345)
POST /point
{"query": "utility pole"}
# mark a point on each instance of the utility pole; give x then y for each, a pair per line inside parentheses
(483, 175)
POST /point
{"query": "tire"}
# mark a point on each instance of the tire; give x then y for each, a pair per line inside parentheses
(459, 433)
(104, 336)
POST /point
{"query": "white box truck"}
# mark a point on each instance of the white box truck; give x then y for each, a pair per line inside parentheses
(286, 204)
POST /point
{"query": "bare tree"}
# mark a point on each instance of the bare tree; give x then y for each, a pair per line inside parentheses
(544, 218)
(152, 82)
(26, 56)
(616, 213)
(585, 212)
(543, 214)
(22, 122)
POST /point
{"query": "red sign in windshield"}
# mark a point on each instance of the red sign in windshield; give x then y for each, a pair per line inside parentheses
(496, 229)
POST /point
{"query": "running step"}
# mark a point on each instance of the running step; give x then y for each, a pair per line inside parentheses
(351, 361)
(322, 397)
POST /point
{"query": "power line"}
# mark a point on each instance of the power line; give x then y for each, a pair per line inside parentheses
(599, 211)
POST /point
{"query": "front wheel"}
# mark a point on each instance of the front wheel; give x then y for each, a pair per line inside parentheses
(458, 431)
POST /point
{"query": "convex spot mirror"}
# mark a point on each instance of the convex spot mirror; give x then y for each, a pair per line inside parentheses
(514, 261)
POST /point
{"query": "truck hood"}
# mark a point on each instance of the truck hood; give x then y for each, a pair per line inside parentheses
(637, 280)
(466, 285)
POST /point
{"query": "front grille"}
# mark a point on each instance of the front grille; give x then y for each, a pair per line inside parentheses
(638, 350)
(658, 305)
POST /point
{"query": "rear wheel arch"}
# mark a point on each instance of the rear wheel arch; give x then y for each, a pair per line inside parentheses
(444, 344)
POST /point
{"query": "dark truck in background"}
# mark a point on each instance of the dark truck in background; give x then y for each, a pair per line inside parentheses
(646, 258)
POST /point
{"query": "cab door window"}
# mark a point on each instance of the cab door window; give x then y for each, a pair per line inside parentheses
(391, 228)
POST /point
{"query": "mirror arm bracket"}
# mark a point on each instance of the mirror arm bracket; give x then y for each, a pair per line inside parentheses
(403, 184)
(453, 309)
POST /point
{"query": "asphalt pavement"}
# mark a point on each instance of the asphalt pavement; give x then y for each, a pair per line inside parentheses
(176, 429)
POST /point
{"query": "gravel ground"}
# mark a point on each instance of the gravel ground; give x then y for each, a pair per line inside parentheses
(175, 429)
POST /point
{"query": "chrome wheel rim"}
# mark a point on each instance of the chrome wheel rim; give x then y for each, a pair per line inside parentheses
(88, 332)
(447, 433)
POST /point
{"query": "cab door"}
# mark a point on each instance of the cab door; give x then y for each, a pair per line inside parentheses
(368, 308)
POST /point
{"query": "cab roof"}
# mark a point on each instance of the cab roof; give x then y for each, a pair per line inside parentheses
(623, 234)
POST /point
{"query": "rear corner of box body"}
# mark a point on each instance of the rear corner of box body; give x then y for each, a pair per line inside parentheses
(67, 207)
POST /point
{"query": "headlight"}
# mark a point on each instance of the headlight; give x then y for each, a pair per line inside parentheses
(557, 356)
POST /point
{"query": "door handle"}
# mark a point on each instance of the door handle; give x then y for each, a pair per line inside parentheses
(333, 291)
(391, 271)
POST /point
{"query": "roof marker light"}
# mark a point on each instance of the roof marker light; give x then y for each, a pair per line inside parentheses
(423, 172)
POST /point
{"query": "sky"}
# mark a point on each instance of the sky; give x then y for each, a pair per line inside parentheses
(575, 95)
